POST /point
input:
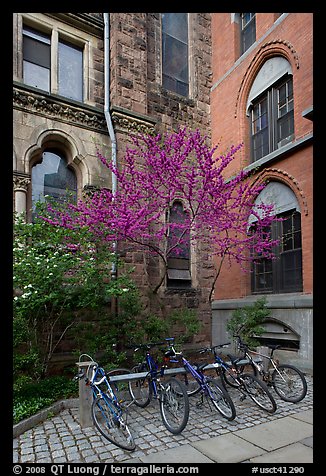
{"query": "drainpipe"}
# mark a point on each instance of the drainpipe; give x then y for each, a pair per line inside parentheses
(107, 114)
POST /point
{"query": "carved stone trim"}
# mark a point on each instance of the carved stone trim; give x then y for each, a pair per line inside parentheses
(54, 108)
(135, 125)
(21, 181)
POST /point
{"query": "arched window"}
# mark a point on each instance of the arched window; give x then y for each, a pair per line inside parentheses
(178, 248)
(283, 274)
(270, 107)
(52, 177)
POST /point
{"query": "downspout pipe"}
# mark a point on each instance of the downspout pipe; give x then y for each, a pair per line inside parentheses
(107, 114)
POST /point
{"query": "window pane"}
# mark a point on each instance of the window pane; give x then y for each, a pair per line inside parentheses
(291, 265)
(175, 59)
(263, 276)
(70, 71)
(36, 52)
(36, 76)
(176, 25)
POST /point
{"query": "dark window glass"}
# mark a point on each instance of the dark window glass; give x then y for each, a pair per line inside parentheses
(52, 177)
(36, 59)
(175, 52)
(272, 119)
(283, 274)
(70, 71)
(248, 30)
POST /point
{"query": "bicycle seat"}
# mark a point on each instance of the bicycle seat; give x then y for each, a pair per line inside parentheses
(234, 358)
(274, 346)
(200, 366)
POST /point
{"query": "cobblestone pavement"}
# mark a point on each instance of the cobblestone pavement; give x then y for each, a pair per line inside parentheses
(60, 439)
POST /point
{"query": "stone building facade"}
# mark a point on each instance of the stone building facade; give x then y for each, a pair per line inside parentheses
(262, 87)
(59, 106)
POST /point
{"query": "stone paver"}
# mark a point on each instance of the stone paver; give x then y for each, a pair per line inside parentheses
(61, 439)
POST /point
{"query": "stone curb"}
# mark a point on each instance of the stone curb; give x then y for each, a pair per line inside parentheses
(42, 415)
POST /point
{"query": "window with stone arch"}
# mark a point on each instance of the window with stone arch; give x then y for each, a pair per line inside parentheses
(284, 273)
(52, 176)
(270, 108)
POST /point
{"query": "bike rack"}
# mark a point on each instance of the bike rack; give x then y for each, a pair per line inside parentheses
(85, 394)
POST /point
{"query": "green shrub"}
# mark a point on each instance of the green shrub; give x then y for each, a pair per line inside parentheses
(247, 321)
(31, 396)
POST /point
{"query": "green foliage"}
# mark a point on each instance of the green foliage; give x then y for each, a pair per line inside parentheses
(31, 396)
(247, 321)
(56, 273)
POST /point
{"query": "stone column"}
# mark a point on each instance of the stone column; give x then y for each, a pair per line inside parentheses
(85, 395)
(21, 182)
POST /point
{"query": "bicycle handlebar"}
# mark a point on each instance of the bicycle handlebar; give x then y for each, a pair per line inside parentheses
(211, 349)
(149, 345)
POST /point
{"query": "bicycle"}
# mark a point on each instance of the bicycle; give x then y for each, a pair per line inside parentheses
(247, 383)
(171, 394)
(208, 387)
(108, 414)
(287, 380)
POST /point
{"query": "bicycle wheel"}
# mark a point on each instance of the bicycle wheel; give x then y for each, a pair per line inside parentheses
(258, 392)
(221, 399)
(226, 375)
(140, 390)
(111, 424)
(191, 384)
(174, 405)
(289, 383)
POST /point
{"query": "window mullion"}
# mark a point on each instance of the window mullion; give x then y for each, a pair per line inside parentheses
(271, 120)
(54, 61)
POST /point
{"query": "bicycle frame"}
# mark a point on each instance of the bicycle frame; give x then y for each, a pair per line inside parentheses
(226, 366)
(266, 374)
(201, 378)
(153, 373)
(108, 395)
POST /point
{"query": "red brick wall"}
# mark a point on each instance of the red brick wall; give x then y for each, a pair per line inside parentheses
(291, 37)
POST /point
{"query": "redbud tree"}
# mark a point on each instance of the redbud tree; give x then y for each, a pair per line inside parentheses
(156, 171)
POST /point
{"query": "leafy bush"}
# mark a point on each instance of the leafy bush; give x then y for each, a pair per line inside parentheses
(247, 321)
(31, 396)
(57, 273)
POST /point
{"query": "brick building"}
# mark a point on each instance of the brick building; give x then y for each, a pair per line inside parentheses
(262, 95)
(83, 80)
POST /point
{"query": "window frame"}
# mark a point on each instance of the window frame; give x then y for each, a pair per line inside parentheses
(164, 36)
(57, 36)
(250, 26)
(271, 95)
(276, 267)
(178, 272)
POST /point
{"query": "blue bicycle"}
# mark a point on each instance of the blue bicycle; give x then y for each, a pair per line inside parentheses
(207, 386)
(171, 393)
(108, 415)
